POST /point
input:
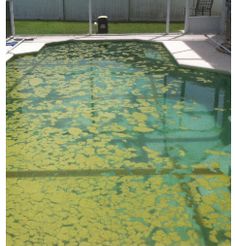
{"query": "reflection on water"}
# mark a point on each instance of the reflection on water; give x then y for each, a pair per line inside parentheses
(111, 143)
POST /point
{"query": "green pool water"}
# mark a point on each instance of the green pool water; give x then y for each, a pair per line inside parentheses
(113, 143)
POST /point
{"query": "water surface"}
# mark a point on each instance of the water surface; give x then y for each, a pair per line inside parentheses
(112, 143)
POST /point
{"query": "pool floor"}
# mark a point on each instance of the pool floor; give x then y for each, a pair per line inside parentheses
(112, 143)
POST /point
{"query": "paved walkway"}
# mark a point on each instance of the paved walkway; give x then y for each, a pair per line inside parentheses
(188, 50)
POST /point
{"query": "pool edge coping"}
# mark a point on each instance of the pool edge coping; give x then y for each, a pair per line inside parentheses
(113, 38)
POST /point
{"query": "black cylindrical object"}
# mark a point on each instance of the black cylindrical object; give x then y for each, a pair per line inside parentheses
(102, 24)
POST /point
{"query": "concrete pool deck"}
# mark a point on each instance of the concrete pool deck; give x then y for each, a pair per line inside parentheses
(188, 50)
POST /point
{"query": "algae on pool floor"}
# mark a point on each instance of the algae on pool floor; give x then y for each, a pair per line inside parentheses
(110, 143)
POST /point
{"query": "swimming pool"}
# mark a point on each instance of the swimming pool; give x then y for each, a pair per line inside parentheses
(113, 143)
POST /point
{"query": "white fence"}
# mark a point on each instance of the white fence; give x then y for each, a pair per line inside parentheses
(117, 10)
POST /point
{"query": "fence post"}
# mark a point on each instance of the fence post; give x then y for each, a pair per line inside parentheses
(168, 16)
(129, 10)
(12, 17)
(186, 21)
(223, 17)
(63, 9)
(90, 16)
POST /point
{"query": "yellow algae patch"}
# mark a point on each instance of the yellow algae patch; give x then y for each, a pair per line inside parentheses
(155, 155)
(41, 92)
(142, 128)
(75, 131)
(162, 238)
(139, 116)
(107, 115)
(179, 106)
(214, 206)
(215, 165)
(92, 129)
(213, 237)
(174, 236)
(151, 152)
(182, 152)
(35, 81)
(165, 89)
(225, 243)
(81, 159)
(217, 152)
(79, 208)
(117, 128)
(121, 135)
(59, 141)
(48, 130)
(95, 161)
(88, 150)
(143, 103)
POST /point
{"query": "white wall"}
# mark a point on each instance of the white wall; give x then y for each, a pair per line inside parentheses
(208, 24)
(204, 24)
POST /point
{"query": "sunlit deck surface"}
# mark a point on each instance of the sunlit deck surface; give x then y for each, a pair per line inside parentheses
(189, 50)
